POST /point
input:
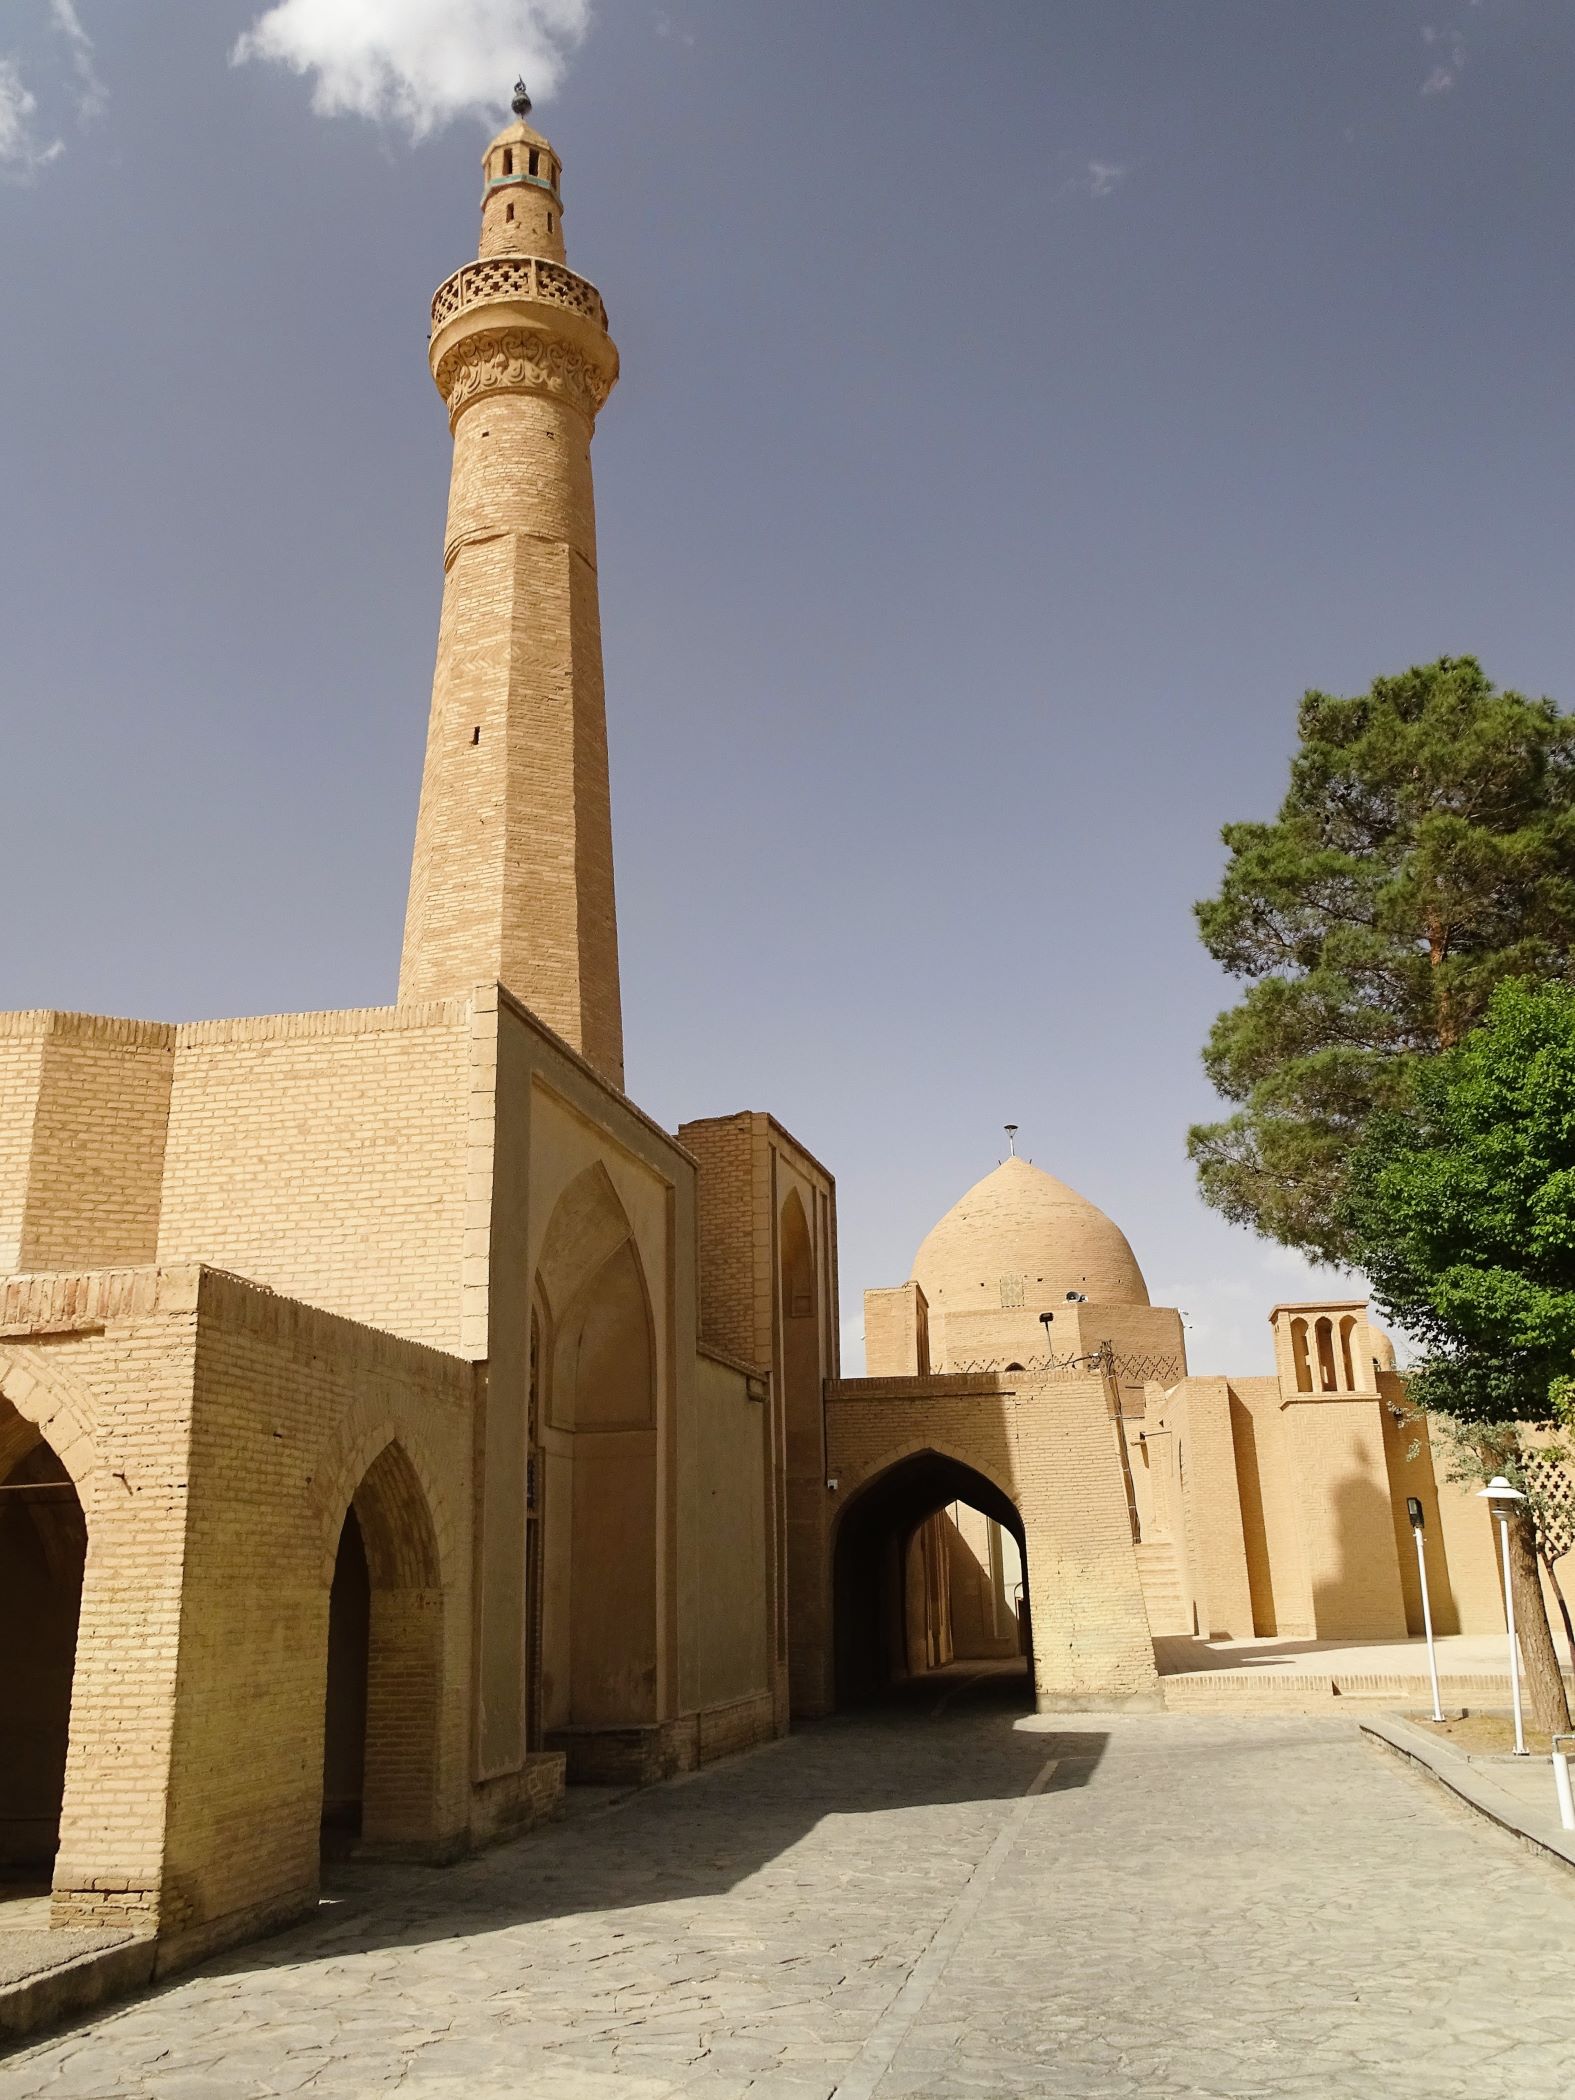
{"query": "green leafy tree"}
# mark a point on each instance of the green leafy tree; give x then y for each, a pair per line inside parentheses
(1425, 852)
(1460, 1207)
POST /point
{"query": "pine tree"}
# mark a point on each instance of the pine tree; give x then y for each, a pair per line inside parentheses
(1425, 852)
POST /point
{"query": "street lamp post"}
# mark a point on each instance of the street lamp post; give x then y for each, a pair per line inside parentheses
(1414, 1512)
(1561, 1781)
(1501, 1498)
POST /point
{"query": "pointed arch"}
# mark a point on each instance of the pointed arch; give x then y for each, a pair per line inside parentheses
(43, 1553)
(796, 1259)
(1303, 1362)
(56, 1407)
(1347, 1353)
(882, 1603)
(365, 1433)
(384, 1667)
(1323, 1332)
(588, 1225)
(599, 1379)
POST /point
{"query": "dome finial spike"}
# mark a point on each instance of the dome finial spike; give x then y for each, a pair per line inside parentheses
(1011, 1137)
(521, 104)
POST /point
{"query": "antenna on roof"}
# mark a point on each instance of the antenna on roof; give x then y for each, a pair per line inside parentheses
(1011, 1137)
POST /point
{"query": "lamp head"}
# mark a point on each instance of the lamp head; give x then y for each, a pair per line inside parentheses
(1499, 1496)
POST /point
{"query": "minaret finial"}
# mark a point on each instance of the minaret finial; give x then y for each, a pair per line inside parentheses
(1011, 1136)
(521, 103)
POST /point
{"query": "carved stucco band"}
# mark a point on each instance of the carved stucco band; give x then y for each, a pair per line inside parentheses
(519, 361)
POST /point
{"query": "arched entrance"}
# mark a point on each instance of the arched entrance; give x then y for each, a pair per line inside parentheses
(43, 1549)
(384, 1679)
(344, 1709)
(906, 1563)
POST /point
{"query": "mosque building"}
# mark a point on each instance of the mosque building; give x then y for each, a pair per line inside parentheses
(1228, 1508)
(397, 1424)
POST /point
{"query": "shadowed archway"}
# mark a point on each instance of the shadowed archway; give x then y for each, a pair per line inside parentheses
(43, 1551)
(384, 1689)
(879, 1603)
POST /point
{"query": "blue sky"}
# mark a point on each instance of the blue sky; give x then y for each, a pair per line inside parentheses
(1023, 403)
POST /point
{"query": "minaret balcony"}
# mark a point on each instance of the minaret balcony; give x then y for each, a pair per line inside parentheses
(522, 278)
(520, 324)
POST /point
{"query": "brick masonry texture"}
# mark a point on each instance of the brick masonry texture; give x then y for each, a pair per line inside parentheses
(422, 1263)
(576, 1380)
(512, 878)
(215, 1431)
(74, 1087)
(324, 1155)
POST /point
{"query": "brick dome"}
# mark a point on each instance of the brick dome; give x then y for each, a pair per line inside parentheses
(1022, 1222)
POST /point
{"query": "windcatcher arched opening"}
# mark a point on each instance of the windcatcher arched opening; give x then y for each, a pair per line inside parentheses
(598, 1500)
(43, 1550)
(927, 1555)
(383, 1698)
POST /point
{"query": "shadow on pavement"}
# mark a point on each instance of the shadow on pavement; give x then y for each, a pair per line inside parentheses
(939, 1740)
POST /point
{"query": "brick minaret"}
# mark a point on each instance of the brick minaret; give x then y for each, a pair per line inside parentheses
(512, 878)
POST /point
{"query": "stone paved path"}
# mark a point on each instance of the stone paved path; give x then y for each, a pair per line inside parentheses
(1187, 1905)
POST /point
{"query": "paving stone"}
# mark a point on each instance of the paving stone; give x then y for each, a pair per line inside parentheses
(1248, 1909)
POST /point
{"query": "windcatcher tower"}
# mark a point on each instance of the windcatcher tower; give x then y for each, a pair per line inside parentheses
(512, 879)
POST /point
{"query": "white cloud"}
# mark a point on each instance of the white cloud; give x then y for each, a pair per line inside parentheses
(1104, 177)
(22, 151)
(1226, 1313)
(1449, 47)
(91, 96)
(417, 62)
(24, 148)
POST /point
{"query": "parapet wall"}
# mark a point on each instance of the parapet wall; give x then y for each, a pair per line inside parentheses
(84, 1105)
(325, 1156)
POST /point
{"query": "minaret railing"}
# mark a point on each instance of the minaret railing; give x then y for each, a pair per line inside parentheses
(516, 277)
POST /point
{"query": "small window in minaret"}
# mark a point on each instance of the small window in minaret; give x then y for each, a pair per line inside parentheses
(508, 160)
(535, 160)
(509, 215)
(549, 222)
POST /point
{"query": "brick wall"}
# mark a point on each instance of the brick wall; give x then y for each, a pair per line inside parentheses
(84, 1102)
(325, 1155)
(512, 874)
(294, 1413)
(732, 1318)
(216, 1434)
(102, 1366)
(1045, 1443)
(759, 1192)
(725, 1539)
(896, 1332)
(21, 1074)
(1335, 1456)
(1217, 1544)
